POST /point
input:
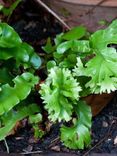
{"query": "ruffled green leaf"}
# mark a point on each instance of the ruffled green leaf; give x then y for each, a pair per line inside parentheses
(11, 96)
(60, 92)
(78, 136)
(101, 38)
(12, 117)
(75, 33)
(103, 66)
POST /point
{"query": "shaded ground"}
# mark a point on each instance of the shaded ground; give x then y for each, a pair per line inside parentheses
(34, 26)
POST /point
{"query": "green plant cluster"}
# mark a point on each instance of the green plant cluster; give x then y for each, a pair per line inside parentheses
(15, 85)
(79, 64)
(76, 65)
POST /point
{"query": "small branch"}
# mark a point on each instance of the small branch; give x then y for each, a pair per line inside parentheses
(53, 13)
(106, 136)
(33, 152)
(7, 147)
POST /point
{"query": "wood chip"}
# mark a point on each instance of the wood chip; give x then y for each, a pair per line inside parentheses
(115, 141)
(55, 148)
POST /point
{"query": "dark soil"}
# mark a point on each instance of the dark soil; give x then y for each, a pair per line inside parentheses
(34, 26)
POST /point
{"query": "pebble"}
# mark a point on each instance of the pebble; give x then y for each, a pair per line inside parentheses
(104, 124)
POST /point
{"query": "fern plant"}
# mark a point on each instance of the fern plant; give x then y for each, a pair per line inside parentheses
(76, 65)
(79, 64)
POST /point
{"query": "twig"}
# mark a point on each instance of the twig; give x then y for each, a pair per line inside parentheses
(53, 142)
(7, 147)
(53, 13)
(108, 133)
(33, 152)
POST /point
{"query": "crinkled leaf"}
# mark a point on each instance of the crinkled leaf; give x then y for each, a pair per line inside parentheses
(12, 117)
(101, 38)
(59, 92)
(11, 96)
(75, 33)
(103, 66)
(78, 136)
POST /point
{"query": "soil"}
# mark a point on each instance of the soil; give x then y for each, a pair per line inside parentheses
(35, 25)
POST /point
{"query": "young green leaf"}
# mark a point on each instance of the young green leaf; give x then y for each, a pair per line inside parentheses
(60, 92)
(51, 64)
(63, 47)
(75, 33)
(34, 119)
(58, 39)
(48, 48)
(78, 136)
